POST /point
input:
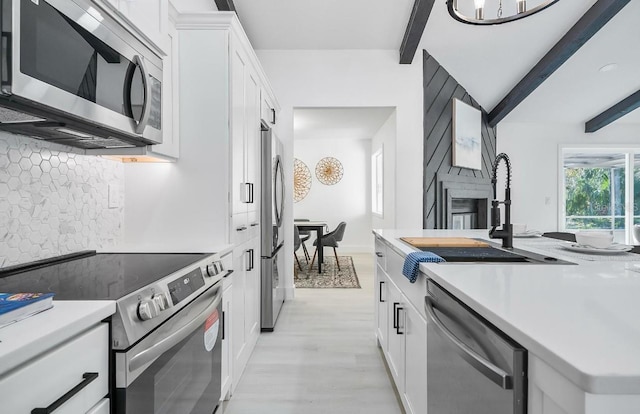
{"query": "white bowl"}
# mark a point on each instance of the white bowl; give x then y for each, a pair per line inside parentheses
(636, 232)
(594, 239)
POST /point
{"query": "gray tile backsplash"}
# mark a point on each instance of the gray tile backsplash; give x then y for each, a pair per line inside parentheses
(54, 202)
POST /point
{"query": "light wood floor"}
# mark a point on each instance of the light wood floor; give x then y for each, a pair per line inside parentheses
(321, 358)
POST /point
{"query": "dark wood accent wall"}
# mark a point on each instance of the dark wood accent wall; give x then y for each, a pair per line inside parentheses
(439, 90)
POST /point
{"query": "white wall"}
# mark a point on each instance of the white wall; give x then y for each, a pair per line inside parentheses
(385, 138)
(534, 153)
(352, 78)
(350, 199)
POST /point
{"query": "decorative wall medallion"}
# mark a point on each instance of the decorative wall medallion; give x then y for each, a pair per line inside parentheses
(301, 180)
(329, 171)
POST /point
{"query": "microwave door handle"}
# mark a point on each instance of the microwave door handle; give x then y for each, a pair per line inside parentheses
(141, 123)
(146, 109)
(486, 368)
(162, 346)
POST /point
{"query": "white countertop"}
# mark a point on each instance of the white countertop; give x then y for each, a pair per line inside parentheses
(30, 337)
(582, 320)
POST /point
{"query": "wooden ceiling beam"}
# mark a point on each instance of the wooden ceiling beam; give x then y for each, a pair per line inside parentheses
(415, 28)
(628, 104)
(588, 25)
(225, 5)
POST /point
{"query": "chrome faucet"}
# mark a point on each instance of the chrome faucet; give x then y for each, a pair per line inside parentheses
(506, 232)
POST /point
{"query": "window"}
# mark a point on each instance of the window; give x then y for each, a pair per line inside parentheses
(597, 185)
(377, 183)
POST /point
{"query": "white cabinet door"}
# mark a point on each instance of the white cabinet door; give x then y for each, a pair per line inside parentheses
(382, 305)
(252, 142)
(41, 382)
(415, 338)
(227, 361)
(252, 293)
(150, 16)
(238, 332)
(239, 186)
(395, 353)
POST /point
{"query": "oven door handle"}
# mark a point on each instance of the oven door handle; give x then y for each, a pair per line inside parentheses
(162, 346)
(486, 368)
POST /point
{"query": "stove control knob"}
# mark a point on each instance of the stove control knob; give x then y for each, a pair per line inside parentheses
(212, 269)
(161, 300)
(147, 309)
(220, 266)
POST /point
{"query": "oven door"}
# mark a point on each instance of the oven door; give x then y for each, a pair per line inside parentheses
(69, 56)
(176, 368)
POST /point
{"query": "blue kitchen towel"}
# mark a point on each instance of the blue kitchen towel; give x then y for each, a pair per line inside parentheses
(413, 260)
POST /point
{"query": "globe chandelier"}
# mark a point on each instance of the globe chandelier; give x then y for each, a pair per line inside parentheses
(479, 13)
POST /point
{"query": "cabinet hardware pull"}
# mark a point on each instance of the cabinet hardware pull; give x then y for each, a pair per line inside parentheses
(223, 325)
(88, 378)
(398, 309)
(248, 267)
(228, 273)
(380, 297)
(250, 193)
(379, 254)
(241, 228)
(273, 113)
(255, 224)
(395, 314)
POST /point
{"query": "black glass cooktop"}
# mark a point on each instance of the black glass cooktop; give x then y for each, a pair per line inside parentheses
(102, 276)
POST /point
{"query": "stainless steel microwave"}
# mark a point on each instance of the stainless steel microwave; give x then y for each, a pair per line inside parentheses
(72, 74)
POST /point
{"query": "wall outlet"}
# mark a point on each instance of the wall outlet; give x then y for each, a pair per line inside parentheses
(113, 196)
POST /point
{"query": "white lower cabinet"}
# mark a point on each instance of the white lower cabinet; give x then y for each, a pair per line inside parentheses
(245, 324)
(50, 380)
(227, 315)
(401, 330)
(414, 332)
(382, 298)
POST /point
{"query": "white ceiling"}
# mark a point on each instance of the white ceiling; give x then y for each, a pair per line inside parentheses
(342, 123)
(487, 60)
(324, 24)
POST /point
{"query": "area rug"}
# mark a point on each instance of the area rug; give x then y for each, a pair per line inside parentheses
(330, 277)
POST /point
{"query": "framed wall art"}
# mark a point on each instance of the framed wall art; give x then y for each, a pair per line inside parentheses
(467, 136)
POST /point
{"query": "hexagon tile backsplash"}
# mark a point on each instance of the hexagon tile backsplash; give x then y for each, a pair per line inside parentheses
(54, 202)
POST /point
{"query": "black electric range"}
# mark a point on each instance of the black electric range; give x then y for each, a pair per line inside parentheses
(148, 287)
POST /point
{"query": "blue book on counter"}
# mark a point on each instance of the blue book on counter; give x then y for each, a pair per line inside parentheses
(17, 306)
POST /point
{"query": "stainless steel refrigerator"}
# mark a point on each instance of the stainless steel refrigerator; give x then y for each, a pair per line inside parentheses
(272, 237)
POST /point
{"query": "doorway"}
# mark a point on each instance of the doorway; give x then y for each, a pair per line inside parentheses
(344, 171)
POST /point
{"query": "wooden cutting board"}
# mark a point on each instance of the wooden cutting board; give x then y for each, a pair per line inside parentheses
(443, 242)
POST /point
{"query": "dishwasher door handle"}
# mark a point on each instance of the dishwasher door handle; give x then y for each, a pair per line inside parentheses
(486, 368)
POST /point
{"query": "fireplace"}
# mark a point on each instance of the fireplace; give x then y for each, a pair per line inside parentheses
(462, 202)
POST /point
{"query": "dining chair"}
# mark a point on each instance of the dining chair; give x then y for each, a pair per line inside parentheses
(304, 236)
(297, 242)
(331, 239)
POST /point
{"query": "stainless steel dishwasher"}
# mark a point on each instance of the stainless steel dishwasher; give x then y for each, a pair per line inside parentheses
(472, 367)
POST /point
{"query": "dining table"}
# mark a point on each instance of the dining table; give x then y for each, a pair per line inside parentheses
(318, 227)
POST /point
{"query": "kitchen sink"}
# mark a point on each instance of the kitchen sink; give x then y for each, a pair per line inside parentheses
(492, 254)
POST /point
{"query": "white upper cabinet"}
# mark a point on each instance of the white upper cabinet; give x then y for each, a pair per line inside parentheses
(150, 16)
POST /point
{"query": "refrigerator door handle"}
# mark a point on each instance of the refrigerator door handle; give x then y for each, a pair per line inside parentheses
(278, 204)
